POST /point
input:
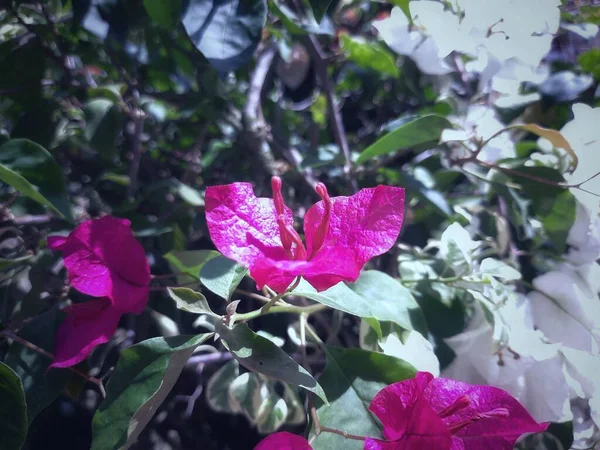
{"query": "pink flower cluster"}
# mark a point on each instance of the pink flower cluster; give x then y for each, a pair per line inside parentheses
(342, 233)
(103, 260)
(426, 413)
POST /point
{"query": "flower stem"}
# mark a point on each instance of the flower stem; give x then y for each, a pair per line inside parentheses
(321, 429)
(279, 309)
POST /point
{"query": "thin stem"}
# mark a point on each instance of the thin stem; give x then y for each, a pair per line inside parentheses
(277, 309)
(253, 295)
(11, 335)
(321, 429)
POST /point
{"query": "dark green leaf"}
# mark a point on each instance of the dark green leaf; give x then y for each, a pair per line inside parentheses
(41, 386)
(370, 56)
(164, 13)
(23, 82)
(351, 379)
(31, 170)
(260, 355)
(374, 295)
(222, 276)
(104, 121)
(189, 262)
(423, 130)
(319, 8)
(590, 62)
(555, 206)
(226, 31)
(13, 410)
(191, 301)
(144, 376)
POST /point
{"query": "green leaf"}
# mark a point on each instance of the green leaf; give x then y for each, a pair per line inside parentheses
(422, 130)
(103, 124)
(217, 388)
(260, 355)
(189, 262)
(226, 31)
(555, 206)
(403, 4)
(31, 170)
(164, 13)
(351, 379)
(13, 410)
(144, 376)
(319, 8)
(41, 386)
(590, 62)
(375, 296)
(369, 55)
(221, 276)
(189, 300)
(246, 395)
(190, 195)
(272, 414)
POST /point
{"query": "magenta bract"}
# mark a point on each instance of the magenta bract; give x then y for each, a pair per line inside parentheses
(283, 441)
(426, 412)
(103, 260)
(342, 233)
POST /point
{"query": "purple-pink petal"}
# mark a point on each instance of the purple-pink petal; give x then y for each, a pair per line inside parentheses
(407, 418)
(103, 259)
(243, 227)
(87, 326)
(365, 224)
(491, 419)
(283, 441)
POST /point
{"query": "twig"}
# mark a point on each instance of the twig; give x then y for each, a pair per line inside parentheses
(337, 125)
(136, 145)
(11, 335)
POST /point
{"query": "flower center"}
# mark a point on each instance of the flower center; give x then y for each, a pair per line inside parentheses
(463, 402)
(290, 239)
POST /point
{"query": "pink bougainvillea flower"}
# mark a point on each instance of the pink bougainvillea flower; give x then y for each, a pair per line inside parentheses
(283, 441)
(342, 233)
(437, 413)
(103, 260)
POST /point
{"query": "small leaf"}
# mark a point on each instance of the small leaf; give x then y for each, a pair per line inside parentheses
(164, 13)
(13, 410)
(422, 130)
(144, 376)
(31, 170)
(41, 385)
(189, 300)
(374, 295)
(217, 388)
(557, 139)
(221, 276)
(351, 378)
(369, 55)
(272, 414)
(226, 31)
(104, 122)
(260, 355)
(189, 262)
(247, 393)
(190, 195)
